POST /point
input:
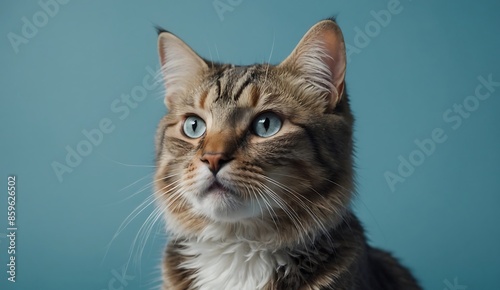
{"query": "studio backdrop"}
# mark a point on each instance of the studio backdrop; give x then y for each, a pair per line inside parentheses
(81, 99)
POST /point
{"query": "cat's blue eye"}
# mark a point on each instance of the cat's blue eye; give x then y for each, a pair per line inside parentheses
(266, 125)
(194, 127)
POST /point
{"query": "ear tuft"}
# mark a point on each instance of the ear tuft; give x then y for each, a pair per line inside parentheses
(180, 65)
(320, 57)
(160, 30)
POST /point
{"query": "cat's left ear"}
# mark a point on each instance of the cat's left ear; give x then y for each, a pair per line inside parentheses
(321, 59)
(180, 65)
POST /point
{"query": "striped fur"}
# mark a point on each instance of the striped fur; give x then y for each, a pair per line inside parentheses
(282, 219)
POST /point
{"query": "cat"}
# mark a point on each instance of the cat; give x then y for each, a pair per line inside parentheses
(254, 174)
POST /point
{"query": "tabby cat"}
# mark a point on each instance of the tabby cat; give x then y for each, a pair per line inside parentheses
(255, 174)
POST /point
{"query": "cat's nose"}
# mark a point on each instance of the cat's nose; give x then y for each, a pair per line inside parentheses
(215, 161)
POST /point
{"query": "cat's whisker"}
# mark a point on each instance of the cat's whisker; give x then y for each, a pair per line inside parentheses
(335, 183)
(291, 176)
(148, 201)
(160, 228)
(258, 196)
(269, 60)
(340, 204)
(211, 57)
(136, 212)
(146, 232)
(126, 164)
(286, 208)
(145, 187)
(217, 52)
(134, 243)
(148, 224)
(155, 282)
(254, 195)
(286, 188)
(173, 198)
(299, 198)
(269, 208)
(138, 180)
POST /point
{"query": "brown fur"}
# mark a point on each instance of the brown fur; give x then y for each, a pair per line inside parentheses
(307, 167)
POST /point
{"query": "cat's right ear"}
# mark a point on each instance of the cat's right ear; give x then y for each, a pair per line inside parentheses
(320, 57)
(180, 65)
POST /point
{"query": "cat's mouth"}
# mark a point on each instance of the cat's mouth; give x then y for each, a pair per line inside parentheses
(217, 189)
(222, 202)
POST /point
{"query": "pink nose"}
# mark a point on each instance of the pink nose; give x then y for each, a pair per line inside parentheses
(214, 160)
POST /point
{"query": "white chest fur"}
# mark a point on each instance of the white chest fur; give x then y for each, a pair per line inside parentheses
(241, 265)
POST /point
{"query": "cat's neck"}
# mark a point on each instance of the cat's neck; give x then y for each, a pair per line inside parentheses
(251, 264)
(232, 264)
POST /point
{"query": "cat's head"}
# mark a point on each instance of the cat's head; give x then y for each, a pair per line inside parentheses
(259, 149)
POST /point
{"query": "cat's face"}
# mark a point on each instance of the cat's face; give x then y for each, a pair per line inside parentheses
(262, 145)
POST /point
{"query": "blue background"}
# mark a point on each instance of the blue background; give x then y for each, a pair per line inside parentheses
(442, 221)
